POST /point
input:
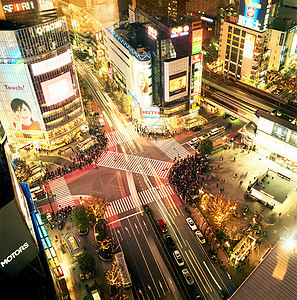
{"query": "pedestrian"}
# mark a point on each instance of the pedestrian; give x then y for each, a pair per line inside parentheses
(217, 184)
(234, 158)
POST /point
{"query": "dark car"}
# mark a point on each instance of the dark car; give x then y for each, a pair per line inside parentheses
(170, 242)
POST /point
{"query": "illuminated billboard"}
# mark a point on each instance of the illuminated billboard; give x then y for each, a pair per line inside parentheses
(249, 43)
(179, 31)
(196, 41)
(19, 108)
(51, 64)
(177, 83)
(57, 89)
(20, 11)
(176, 76)
(254, 13)
(141, 75)
(152, 32)
(294, 45)
(17, 247)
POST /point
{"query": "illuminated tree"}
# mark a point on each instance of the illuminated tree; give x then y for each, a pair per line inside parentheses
(219, 208)
(114, 277)
(96, 207)
(105, 244)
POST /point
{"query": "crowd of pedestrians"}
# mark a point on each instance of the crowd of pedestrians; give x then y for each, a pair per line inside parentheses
(187, 175)
(80, 160)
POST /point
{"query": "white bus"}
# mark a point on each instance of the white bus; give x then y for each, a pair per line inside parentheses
(120, 260)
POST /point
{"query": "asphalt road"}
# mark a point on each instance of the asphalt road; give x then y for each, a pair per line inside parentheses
(152, 271)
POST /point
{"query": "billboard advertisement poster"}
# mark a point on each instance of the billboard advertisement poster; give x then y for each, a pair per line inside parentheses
(57, 89)
(141, 74)
(249, 43)
(19, 108)
(254, 13)
(177, 83)
(51, 64)
(151, 112)
(17, 247)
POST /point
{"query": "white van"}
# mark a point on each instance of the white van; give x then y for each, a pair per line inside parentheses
(214, 131)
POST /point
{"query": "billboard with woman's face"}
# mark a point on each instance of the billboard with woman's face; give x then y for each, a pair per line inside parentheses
(141, 75)
(19, 108)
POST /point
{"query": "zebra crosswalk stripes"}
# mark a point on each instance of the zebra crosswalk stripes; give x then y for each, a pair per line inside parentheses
(135, 164)
(63, 196)
(172, 148)
(118, 137)
(125, 204)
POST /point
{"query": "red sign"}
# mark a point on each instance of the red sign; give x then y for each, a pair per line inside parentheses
(250, 12)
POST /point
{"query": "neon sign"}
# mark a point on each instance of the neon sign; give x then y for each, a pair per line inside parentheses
(179, 31)
(152, 32)
(16, 7)
(48, 27)
(196, 41)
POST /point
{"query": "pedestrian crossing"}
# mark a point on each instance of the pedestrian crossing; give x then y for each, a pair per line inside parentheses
(63, 196)
(118, 137)
(127, 203)
(172, 148)
(135, 164)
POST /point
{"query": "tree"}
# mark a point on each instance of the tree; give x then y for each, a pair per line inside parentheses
(205, 147)
(80, 218)
(219, 207)
(86, 263)
(22, 170)
(96, 207)
(104, 247)
(114, 277)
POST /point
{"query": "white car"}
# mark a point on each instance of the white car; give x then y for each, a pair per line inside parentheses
(194, 141)
(200, 237)
(191, 224)
(178, 258)
(187, 276)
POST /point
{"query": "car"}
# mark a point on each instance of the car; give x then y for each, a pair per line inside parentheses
(194, 141)
(187, 276)
(214, 131)
(191, 224)
(200, 237)
(162, 225)
(233, 118)
(170, 242)
(178, 258)
(205, 136)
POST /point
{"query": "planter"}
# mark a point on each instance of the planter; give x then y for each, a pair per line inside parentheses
(83, 232)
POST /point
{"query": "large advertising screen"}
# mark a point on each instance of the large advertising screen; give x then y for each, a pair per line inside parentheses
(177, 83)
(176, 77)
(249, 44)
(254, 13)
(57, 89)
(51, 64)
(17, 247)
(141, 74)
(19, 108)
(196, 41)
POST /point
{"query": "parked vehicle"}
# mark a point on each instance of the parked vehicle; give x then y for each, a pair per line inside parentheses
(170, 242)
(214, 131)
(178, 258)
(227, 125)
(194, 141)
(187, 276)
(200, 237)
(162, 225)
(191, 224)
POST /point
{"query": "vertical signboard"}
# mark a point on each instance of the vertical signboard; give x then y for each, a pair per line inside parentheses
(196, 67)
(141, 74)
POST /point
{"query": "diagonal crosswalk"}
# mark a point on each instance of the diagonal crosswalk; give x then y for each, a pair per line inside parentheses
(172, 148)
(135, 164)
(118, 137)
(60, 188)
(125, 204)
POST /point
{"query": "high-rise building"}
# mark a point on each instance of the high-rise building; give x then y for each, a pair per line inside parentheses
(158, 66)
(40, 96)
(23, 266)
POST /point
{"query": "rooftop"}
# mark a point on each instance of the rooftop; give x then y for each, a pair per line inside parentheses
(274, 278)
